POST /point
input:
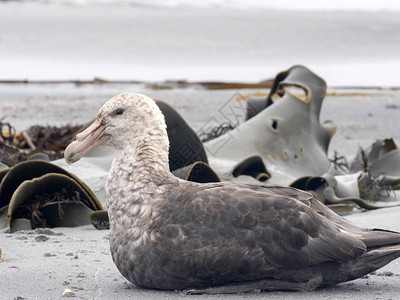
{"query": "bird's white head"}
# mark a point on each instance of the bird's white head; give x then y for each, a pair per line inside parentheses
(124, 119)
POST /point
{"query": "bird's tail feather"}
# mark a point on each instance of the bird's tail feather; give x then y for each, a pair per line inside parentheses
(368, 262)
(380, 238)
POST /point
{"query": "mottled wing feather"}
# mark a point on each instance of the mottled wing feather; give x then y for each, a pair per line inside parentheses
(278, 221)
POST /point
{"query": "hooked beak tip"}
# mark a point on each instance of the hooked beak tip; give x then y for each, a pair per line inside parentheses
(87, 140)
(70, 155)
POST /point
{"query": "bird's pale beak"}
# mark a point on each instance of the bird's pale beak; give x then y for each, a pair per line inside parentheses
(87, 140)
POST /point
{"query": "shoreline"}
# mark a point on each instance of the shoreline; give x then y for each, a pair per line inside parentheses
(182, 84)
(346, 48)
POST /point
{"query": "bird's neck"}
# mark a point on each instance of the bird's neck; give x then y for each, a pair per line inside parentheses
(138, 180)
(140, 170)
(147, 158)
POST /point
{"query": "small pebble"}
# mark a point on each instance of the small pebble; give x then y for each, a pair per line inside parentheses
(68, 293)
(47, 254)
(47, 231)
(392, 106)
(13, 267)
(41, 238)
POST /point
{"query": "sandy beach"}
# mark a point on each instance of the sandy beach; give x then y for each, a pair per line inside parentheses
(42, 264)
(355, 51)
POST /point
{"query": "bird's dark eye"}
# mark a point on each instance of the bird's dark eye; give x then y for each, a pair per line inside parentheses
(119, 111)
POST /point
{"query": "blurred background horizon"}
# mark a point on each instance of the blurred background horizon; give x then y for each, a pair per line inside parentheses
(313, 5)
(348, 43)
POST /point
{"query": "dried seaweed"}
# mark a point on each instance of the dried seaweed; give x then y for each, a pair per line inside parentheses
(216, 131)
(339, 160)
(31, 209)
(375, 188)
(49, 140)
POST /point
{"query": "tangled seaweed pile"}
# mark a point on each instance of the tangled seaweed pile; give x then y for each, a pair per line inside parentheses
(31, 209)
(216, 131)
(34, 193)
(38, 194)
(48, 141)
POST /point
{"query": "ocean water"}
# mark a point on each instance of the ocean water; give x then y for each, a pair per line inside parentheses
(305, 5)
(346, 42)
